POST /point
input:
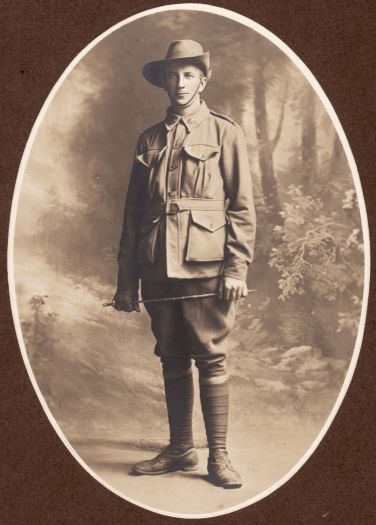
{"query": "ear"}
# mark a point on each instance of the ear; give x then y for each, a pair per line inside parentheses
(203, 82)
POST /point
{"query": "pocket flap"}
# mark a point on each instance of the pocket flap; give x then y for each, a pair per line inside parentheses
(211, 220)
(201, 151)
(151, 157)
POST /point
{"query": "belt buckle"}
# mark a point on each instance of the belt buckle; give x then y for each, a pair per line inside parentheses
(172, 208)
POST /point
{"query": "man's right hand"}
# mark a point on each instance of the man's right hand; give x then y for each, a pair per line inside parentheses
(126, 301)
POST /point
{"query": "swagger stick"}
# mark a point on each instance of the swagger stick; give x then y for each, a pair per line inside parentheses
(197, 296)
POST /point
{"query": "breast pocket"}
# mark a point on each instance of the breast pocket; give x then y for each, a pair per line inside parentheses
(206, 235)
(200, 161)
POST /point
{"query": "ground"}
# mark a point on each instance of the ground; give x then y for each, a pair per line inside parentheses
(262, 460)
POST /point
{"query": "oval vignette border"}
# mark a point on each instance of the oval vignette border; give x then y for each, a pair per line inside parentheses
(362, 209)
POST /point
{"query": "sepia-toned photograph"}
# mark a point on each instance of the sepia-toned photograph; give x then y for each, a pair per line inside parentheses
(189, 260)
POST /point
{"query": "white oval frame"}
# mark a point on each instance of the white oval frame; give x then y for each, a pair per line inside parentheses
(362, 209)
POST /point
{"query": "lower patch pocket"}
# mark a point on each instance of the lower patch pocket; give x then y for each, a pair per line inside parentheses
(147, 242)
(206, 236)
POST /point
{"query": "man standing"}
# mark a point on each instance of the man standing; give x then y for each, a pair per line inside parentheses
(189, 229)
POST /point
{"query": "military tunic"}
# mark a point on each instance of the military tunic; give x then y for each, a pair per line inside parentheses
(189, 210)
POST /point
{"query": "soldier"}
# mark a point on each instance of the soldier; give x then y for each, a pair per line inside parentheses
(189, 228)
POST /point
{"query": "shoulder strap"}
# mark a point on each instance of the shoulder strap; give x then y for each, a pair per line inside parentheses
(224, 117)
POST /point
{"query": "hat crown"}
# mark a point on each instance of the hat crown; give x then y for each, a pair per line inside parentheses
(184, 49)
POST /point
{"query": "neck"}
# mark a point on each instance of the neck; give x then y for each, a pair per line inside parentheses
(189, 109)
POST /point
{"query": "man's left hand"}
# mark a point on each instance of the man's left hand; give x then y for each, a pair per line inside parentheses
(232, 289)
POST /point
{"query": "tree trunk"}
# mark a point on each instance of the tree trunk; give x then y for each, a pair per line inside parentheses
(268, 180)
(309, 145)
(338, 164)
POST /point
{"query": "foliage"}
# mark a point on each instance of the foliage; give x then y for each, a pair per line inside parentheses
(318, 252)
(38, 329)
(349, 321)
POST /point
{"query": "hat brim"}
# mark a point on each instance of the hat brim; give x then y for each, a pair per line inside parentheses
(152, 71)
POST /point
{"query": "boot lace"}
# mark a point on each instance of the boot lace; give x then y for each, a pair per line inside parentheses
(220, 457)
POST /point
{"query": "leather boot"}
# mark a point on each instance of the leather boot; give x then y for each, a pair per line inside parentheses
(221, 472)
(169, 460)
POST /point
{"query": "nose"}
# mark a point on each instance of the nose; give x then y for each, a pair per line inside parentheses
(181, 81)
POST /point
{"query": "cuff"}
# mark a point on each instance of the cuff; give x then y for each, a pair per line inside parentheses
(236, 268)
(127, 282)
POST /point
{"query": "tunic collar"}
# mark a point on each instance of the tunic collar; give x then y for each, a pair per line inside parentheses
(191, 121)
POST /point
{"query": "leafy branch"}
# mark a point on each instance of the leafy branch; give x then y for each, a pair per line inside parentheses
(315, 252)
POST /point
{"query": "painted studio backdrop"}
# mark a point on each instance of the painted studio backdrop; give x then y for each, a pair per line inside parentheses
(294, 337)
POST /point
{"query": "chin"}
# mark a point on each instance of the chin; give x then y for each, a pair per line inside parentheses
(181, 100)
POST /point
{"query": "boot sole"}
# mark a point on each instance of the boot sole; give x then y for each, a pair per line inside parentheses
(186, 468)
(230, 485)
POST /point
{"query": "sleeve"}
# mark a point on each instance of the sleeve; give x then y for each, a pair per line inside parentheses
(241, 211)
(129, 274)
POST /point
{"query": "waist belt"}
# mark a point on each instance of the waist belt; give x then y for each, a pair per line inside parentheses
(177, 205)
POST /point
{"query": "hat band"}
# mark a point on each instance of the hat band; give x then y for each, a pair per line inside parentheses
(179, 55)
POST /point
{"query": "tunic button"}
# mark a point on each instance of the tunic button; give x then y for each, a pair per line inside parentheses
(172, 168)
(177, 144)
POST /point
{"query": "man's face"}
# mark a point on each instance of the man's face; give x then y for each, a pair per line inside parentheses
(183, 83)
